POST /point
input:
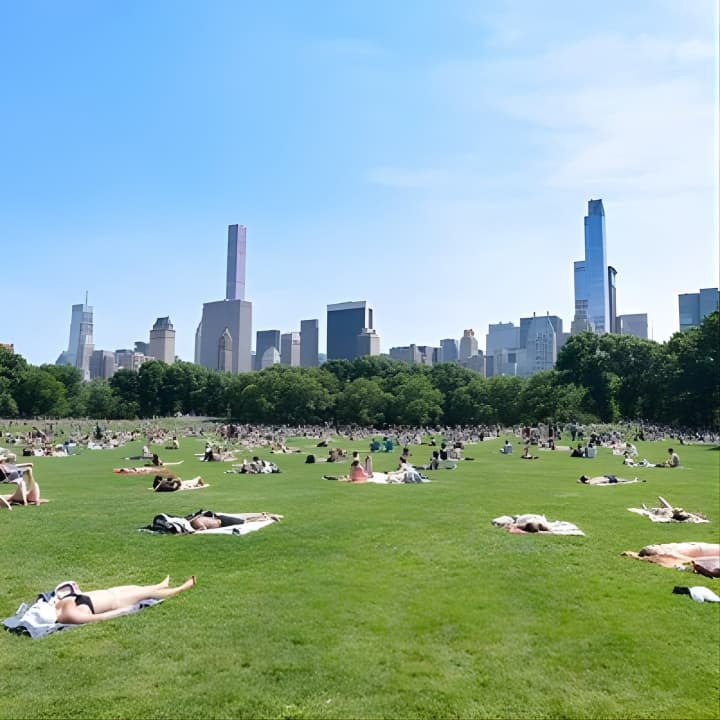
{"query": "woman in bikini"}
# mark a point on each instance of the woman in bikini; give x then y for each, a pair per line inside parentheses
(77, 608)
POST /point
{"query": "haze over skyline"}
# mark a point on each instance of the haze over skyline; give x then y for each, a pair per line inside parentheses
(434, 159)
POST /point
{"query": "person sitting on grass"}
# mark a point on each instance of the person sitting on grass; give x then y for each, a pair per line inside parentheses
(10, 472)
(673, 460)
(26, 493)
(605, 480)
(80, 608)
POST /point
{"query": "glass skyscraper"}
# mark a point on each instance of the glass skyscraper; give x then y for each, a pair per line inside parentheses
(694, 307)
(346, 323)
(592, 294)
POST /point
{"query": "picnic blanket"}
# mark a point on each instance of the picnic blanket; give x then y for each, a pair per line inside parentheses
(179, 525)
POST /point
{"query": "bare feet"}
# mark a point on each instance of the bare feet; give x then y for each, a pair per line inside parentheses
(165, 582)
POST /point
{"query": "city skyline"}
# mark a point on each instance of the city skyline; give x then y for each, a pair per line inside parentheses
(453, 146)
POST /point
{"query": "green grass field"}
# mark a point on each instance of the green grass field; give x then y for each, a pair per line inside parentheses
(368, 601)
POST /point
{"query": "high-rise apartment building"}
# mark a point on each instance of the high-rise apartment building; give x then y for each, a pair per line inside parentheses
(449, 348)
(636, 325)
(224, 337)
(309, 343)
(592, 295)
(290, 349)
(350, 332)
(162, 341)
(266, 340)
(694, 307)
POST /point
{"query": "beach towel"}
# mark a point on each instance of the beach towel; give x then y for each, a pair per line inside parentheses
(176, 525)
(37, 619)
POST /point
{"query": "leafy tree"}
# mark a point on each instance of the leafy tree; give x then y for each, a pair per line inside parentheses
(362, 401)
(40, 394)
(100, 399)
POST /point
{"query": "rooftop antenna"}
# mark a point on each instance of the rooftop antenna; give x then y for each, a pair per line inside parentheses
(86, 297)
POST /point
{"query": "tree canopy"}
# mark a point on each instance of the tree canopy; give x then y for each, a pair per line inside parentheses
(596, 378)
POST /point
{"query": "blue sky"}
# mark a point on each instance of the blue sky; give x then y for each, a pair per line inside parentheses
(433, 158)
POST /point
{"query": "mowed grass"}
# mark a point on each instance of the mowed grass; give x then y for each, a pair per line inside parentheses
(368, 601)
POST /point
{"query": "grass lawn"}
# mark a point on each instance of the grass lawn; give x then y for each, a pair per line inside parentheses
(368, 601)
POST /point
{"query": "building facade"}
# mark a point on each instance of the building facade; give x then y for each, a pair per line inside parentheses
(223, 340)
(592, 296)
(162, 341)
(102, 364)
(309, 343)
(290, 349)
(449, 348)
(350, 331)
(693, 307)
(468, 346)
(636, 325)
(264, 340)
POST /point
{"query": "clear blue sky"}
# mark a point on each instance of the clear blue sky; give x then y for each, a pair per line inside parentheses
(433, 158)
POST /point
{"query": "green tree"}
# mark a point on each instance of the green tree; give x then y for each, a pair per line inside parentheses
(362, 401)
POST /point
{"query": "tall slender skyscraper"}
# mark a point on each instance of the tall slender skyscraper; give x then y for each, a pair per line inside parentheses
(224, 336)
(592, 296)
(237, 241)
(80, 344)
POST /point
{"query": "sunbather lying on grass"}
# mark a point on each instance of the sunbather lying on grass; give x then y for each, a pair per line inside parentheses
(605, 480)
(704, 557)
(174, 484)
(79, 608)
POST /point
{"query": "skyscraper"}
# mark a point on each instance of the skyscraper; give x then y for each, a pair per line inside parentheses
(350, 331)
(468, 345)
(613, 326)
(224, 337)
(80, 344)
(309, 343)
(449, 348)
(592, 296)
(162, 341)
(264, 341)
(290, 349)
(693, 307)
(237, 242)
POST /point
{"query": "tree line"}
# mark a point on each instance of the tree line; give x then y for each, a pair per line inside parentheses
(602, 378)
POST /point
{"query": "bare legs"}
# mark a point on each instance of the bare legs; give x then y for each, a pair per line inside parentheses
(127, 595)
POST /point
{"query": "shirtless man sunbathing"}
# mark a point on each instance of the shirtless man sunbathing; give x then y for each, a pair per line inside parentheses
(605, 480)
